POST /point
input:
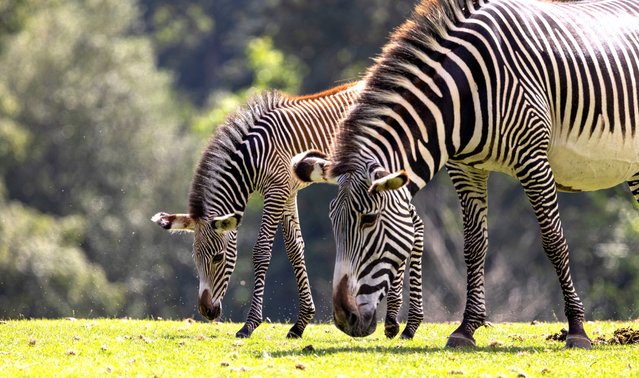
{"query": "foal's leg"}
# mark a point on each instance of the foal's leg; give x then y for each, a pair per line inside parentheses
(471, 187)
(271, 216)
(295, 250)
(539, 184)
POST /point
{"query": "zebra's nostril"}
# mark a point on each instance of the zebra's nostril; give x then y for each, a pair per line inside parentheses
(352, 319)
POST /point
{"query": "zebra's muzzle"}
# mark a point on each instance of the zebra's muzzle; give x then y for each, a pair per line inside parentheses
(207, 307)
(347, 315)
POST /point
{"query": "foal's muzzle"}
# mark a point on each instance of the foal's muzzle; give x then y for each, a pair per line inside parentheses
(207, 307)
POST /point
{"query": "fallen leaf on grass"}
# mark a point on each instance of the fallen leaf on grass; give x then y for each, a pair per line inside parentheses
(300, 366)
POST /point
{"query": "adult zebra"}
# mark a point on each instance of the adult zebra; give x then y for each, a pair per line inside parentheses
(544, 91)
(250, 153)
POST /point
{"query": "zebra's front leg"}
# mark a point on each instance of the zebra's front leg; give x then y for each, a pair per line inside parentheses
(415, 303)
(295, 251)
(394, 303)
(394, 299)
(471, 187)
(271, 216)
(539, 184)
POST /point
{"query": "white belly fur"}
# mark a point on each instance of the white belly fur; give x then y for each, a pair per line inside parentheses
(587, 164)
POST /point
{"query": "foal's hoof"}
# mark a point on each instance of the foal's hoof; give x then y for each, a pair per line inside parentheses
(407, 334)
(457, 340)
(578, 341)
(244, 333)
(391, 330)
(293, 335)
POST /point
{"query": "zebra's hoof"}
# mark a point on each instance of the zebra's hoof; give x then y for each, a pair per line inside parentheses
(244, 333)
(293, 335)
(391, 329)
(578, 341)
(407, 334)
(457, 340)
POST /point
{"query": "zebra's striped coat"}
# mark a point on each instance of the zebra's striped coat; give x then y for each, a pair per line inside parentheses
(543, 91)
(250, 153)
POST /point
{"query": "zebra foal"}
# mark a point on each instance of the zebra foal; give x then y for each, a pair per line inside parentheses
(544, 91)
(250, 153)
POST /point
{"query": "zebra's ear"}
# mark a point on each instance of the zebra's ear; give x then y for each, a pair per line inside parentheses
(383, 181)
(312, 166)
(174, 222)
(227, 222)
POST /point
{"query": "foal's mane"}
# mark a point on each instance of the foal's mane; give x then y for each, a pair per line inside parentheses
(428, 23)
(225, 141)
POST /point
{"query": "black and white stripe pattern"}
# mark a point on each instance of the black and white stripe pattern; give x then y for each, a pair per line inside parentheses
(545, 91)
(250, 153)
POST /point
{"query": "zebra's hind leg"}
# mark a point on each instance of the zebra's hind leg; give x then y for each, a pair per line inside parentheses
(416, 307)
(538, 181)
(634, 186)
(295, 250)
(271, 216)
(471, 187)
(393, 304)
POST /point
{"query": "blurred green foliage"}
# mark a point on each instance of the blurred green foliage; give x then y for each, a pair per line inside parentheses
(105, 106)
(271, 70)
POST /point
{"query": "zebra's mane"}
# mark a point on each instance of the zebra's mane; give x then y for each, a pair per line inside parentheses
(428, 23)
(224, 143)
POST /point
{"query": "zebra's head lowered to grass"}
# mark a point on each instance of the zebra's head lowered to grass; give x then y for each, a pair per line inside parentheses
(214, 252)
(372, 244)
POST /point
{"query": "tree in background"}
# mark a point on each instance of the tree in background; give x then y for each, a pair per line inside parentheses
(94, 139)
(95, 136)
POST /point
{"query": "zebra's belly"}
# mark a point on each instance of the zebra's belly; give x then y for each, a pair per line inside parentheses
(584, 166)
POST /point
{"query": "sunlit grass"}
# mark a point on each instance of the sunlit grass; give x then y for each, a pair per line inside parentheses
(114, 347)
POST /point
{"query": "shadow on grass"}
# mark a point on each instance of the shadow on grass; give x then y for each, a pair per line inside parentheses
(401, 350)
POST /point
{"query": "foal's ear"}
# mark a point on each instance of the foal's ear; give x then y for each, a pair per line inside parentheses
(226, 223)
(312, 166)
(383, 181)
(174, 222)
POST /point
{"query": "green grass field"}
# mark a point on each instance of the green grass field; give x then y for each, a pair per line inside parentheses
(158, 348)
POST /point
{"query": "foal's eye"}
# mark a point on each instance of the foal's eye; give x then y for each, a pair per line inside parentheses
(367, 220)
(217, 258)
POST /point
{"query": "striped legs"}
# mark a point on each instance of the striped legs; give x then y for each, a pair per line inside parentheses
(271, 216)
(295, 250)
(538, 181)
(394, 298)
(393, 304)
(416, 307)
(471, 187)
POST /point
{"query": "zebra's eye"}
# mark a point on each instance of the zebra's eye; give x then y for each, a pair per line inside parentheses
(217, 258)
(367, 220)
